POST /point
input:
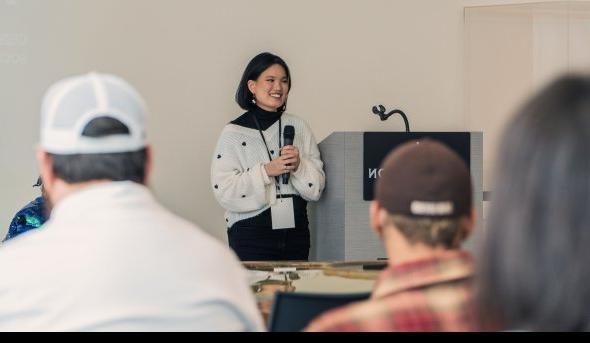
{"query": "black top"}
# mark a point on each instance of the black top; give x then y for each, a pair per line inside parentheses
(265, 118)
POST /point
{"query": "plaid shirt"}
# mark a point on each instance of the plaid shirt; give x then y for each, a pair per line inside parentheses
(426, 295)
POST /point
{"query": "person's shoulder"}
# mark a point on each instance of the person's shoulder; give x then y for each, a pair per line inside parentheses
(23, 245)
(297, 121)
(404, 311)
(241, 126)
(209, 253)
(242, 120)
(38, 201)
(290, 117)
(33, 205)
(213, 248)
(200, 241)
(29, 217)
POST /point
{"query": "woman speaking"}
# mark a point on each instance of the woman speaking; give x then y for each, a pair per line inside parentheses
(263, 183)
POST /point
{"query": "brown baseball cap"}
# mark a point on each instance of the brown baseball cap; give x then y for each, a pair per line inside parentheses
(424, 178)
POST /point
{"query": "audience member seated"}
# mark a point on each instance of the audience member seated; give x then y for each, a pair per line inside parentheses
(422, 212)
(111, 258)
(535, 264)
(31, 216)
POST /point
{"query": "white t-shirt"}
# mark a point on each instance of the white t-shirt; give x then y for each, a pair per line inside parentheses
(112, 259)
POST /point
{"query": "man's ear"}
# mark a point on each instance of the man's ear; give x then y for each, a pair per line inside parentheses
(45, 165)
(149, 158)
(470, 223)
(467, 225)
(374, 218)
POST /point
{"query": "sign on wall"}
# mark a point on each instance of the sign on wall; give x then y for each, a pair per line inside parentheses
(378, 144)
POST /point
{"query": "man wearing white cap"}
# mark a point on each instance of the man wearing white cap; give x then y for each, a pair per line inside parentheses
(111, 258)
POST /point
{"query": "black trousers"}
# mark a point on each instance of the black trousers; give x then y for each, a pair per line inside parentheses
(253, 239)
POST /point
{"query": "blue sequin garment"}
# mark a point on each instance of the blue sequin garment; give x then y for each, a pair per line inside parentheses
(29, 217)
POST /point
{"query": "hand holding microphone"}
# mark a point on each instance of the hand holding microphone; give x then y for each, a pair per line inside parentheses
(291, 155)
(281, 165)
(288, 159)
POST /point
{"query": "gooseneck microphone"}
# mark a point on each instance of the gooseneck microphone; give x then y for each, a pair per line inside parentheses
(380, 111)
(288, 137)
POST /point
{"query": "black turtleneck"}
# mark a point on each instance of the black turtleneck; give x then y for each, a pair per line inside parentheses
(265, 118)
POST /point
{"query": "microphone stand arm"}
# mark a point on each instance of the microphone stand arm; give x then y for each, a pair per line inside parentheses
(380, 111)
(404, 117)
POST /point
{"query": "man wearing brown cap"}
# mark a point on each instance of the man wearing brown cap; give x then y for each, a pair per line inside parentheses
(422, 212)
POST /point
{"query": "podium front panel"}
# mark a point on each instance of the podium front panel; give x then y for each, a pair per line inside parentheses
(339, 222)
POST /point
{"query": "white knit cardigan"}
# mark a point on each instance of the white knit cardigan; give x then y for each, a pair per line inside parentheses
(238, 178)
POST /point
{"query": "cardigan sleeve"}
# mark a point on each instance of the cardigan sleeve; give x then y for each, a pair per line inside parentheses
(309, 179)
(238, 188)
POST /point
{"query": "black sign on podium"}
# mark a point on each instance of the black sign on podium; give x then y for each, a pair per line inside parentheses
(378, 144)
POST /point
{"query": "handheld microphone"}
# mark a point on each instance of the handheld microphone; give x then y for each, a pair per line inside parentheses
(288, 137)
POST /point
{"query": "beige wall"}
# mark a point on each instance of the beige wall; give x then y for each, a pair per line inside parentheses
(186, 57)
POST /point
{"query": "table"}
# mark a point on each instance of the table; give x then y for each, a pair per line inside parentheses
(268, 277)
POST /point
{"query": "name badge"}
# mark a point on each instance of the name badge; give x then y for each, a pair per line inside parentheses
(283, 214)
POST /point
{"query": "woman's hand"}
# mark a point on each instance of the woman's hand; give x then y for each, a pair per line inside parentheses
(291, 152)
(287, 162)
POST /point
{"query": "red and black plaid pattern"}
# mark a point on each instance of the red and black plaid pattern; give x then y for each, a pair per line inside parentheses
(425, 295)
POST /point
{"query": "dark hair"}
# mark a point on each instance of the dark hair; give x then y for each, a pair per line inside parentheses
(447, 233)
(534, 268)
(125, 166)
(256, 67)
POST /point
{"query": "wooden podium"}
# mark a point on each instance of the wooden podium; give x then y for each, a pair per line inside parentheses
(339, 222)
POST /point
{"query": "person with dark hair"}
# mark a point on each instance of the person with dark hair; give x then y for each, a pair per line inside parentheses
(533, 270)
(111, 258)
(264, 184)
(30, 217)
(422, 212)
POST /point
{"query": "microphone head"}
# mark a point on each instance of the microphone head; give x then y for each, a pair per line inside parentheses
(289, 132)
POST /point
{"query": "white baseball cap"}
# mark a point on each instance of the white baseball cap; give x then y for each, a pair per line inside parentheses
(70, 104)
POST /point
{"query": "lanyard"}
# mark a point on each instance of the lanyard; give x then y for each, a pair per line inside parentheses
(266, 145)
(262, 135)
